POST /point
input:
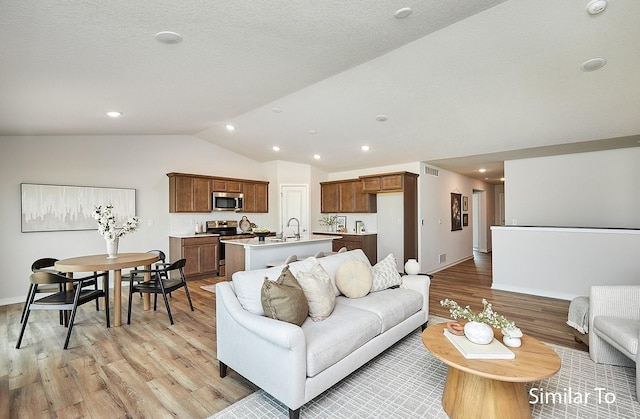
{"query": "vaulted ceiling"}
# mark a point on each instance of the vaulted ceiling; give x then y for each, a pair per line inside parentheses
(456, 83)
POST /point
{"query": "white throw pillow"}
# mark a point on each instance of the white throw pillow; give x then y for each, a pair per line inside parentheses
(318, 290)
(385, 274)
(353, 278)
(248, 287)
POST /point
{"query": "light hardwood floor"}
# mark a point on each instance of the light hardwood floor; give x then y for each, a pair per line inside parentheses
(150, 369)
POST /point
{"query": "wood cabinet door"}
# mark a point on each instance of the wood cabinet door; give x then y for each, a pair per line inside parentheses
(234, 186)
(202, 195)
(262, 197)
(392, 182)
(363, 202)
(183, 194)
(249, 201)
(219, 185)
(371, 184)
(329, 197)
(347, 197)
(209, 258)
(192, 256)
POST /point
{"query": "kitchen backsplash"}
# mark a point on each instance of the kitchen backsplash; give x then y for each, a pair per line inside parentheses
(185, 223)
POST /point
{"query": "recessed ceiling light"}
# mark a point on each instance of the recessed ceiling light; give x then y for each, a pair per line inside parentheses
(313, 132)
(365, 148)
(381, 118)
(596, 6)
(482, 170)
(402, 13)
(276, 110)
(275, 148)
(168, 37)
(316, 156)
(593, 64)
(230, 127)
(114, 114)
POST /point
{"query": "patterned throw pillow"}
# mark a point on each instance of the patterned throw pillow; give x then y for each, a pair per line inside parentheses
(284, 299)
(318, 290)
(353, 279)
(385, 274)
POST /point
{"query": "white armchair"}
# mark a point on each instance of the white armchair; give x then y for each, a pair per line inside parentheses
(614, 326)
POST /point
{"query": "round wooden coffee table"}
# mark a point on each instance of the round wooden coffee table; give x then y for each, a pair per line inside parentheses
(490, 388)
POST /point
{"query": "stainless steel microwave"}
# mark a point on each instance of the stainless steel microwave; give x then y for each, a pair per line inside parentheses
(224, 201)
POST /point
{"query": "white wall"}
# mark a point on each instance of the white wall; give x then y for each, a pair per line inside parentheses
(596, 189)
(435, 210)
(139, 162)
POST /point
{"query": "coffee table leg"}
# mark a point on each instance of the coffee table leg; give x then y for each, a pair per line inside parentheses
(468, 395)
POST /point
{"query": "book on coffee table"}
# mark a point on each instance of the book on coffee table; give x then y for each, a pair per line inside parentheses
(470, 350)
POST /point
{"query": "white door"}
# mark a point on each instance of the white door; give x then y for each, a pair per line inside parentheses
(294, 204)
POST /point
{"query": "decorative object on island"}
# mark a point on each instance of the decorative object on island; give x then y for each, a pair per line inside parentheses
(329, 221)
(486, 316)
(412, 267)
(261, 233)
(107, 228)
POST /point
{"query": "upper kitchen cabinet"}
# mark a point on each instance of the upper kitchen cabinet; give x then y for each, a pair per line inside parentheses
(388, 182)
(256, 196)
(227, 185)
(189, 193)
(345, 196)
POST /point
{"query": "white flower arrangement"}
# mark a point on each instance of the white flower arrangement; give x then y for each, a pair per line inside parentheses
(487, 315)
(329, 220)
(107, 223)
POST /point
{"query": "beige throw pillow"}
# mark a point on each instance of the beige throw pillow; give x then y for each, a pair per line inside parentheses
(353, 279)
(284, 299)
(318, 290)
(385, 274)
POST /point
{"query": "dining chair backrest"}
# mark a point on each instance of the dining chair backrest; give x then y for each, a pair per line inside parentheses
(46, 277)
(43, 263)
(161, 255)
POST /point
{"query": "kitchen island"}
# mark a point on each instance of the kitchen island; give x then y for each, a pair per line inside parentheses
(248, 254)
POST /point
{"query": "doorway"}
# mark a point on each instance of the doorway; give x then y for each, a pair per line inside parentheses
(478, 220)
(294, 203)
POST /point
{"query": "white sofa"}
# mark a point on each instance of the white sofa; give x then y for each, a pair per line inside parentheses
(614, 326)
(297, 363)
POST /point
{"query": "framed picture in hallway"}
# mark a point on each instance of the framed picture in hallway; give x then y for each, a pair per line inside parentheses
(456, 213)
(465, 203)
(465, 220)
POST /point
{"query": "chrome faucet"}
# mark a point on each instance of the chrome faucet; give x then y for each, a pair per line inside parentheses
(298, 223)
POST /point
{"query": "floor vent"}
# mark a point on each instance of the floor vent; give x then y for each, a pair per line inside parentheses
(431, 171)
(443, 258)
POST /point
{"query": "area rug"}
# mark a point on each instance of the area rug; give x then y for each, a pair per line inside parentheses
(210, 288)
(406, 381)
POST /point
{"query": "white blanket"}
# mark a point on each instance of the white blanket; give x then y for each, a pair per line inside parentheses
(579, 314)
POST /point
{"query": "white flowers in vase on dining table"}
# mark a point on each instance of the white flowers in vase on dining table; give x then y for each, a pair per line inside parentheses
(107, 223)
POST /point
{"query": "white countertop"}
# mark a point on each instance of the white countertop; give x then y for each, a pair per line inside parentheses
(272, 241)
(329, 233)
(191, 235)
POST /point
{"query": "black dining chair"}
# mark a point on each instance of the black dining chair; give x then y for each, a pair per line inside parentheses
(47, 264)
(160, 283)
(139, 277)
(65, 299)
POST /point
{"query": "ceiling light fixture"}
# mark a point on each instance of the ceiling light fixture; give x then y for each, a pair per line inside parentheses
(275, 148)
(316, 156)
(313, 132)
(596, 6)
(593, 64)
(365, 148)
(276, 110)
(230, 127)
(168, 37)
(114, 114)
(402, 13)
(381, 118)
(482, 170)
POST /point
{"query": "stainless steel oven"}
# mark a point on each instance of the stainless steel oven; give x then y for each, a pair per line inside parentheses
(227, 229)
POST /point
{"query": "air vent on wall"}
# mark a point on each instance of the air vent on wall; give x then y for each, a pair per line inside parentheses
(443, 258)
(431, 171)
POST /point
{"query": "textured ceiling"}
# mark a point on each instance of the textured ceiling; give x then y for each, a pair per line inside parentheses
(456, 78)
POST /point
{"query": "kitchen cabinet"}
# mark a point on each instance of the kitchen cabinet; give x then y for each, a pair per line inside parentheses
(346, 196)
(201, 254)
(367, 242)
(188, 193)
(192, 193)
(389, 182)
(227, 185)
(256, 197)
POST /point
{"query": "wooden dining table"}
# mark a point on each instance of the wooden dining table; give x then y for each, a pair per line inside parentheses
(101, 263)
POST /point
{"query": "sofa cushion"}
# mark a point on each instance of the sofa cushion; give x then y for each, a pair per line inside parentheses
(353, 279)
(391, 306)
(284, 299)
(333, 262)
(318, 290)
(622, 331)
(248, 286)
(385, 274)
(343, 332)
